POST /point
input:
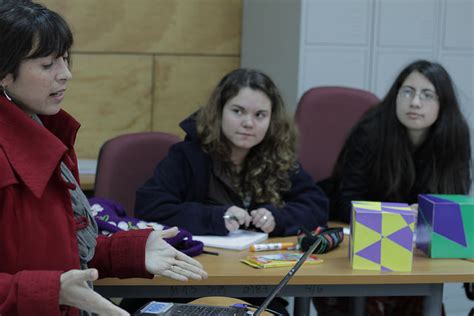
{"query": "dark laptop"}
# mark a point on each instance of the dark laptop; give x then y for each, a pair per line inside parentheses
(175, 309)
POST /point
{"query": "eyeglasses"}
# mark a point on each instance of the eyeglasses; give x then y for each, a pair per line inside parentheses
(425, 96)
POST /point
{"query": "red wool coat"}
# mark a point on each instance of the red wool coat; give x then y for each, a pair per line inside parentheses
(37, 227)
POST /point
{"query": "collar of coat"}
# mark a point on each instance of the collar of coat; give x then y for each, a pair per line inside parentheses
(35, 151)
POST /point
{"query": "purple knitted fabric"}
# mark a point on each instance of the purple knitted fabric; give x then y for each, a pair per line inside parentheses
(111, 217)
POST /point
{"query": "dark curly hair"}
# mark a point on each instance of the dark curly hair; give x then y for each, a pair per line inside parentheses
(266, 169)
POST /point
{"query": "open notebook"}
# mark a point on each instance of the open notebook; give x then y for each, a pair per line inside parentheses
(172, 309)
(236, 240)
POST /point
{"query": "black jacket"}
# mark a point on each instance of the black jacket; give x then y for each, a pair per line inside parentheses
(177, 194)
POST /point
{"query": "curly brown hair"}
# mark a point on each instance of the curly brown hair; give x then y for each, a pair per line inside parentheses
(266, 169)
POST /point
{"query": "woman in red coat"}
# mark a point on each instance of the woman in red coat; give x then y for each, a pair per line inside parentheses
(49, 248)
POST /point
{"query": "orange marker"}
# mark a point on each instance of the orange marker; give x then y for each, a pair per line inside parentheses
(273, 246)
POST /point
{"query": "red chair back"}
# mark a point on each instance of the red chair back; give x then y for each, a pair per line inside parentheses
(324, 117)
(126, 162)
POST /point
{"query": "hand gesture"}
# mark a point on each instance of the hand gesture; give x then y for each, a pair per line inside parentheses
(162, 259)
(235, 217)
(263, 219)
(75, 292)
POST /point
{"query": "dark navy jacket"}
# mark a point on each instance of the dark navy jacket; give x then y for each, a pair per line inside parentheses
(176, 195)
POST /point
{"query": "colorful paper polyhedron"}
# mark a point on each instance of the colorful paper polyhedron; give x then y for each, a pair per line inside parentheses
(381, 236)
(445, 226)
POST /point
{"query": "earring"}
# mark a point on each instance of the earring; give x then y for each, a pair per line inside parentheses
(4, 89)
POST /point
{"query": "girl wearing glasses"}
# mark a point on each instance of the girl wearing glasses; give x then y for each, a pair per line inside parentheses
(415, 141)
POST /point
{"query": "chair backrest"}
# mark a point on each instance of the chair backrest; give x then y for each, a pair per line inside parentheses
(324, 117)
(126, 162)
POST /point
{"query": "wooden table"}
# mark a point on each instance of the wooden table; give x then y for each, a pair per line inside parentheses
(335, 277)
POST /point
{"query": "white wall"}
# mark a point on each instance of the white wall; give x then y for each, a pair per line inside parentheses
(358, 43)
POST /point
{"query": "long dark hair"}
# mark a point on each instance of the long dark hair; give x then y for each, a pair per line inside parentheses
(265, 172)
(29, 30)
(447, 145)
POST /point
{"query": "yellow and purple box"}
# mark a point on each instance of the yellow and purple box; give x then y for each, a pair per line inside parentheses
(445, 226)
(381, 236)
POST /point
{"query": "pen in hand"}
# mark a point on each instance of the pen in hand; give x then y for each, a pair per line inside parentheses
(231, 222)
(231, 217)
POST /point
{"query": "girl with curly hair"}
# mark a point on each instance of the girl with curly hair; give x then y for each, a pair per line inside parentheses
(236, 167)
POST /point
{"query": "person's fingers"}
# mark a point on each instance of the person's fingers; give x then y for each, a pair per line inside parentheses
(191, 265)
(75, 292)
(93, 274)
(239, 215)
(257, 214)
(170, 232)
(229, 227)
(84, 275)
(258, 219)
(188, 272)
(173, 275)
(188, 260)
(241, 218)
(268, 226)
(262, 218)
(235, 225)
(248, 220)
(232, 225)
(235, 219)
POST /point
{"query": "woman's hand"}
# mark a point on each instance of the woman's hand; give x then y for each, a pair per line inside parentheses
(162, 259)
(235, 217)
(75, 292)
(263, 219)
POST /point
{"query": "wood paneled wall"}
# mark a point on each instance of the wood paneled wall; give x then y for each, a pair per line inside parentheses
(144, 65)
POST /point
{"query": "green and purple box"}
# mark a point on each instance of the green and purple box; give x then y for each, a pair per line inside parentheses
(381, 236)
(445, 227)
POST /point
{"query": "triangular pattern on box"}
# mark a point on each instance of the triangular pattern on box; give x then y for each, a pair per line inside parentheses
(384, 233)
